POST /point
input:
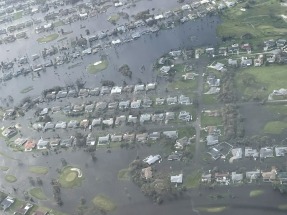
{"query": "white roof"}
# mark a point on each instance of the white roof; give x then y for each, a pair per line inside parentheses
(116, 90)
(152, 159)
(176, 179)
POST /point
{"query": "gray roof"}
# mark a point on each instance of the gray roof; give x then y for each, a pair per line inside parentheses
(211, 140)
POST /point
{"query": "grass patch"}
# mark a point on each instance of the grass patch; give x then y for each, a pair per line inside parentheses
(4, 168)
(114, 18)
(282, 207)
(124, 175)
(69, 178)
(280, 109)
(39, 170)
(27, 89)
(48, 38)
(275, 127)
(187, 131)
(212, 209)
(210, 120)
(259, 82)
(255, 193)
(103, 203)
(10, 178)
(58, 23)
(100, 66)
(193, 180)
(209, 99)
(184, 86)
(18, 15)
(38, 193)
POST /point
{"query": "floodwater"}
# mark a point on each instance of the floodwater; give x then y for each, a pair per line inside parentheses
(142, 51)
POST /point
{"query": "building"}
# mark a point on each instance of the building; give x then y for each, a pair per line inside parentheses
(154, 136)
(236, 177)
(104, 140)
(212, 140)
(123, 105)
(7, 202)
(120, 120)
(266, 152)
(42, 144)
(116, 138)
(146, 173)
(136, 104)
(152, 159)
(251, 153)
(269, 176)
(170, 134)
(181, 143)
(176, 179)
(145, 117)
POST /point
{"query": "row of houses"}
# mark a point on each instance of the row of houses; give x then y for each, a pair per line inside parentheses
(250, 176)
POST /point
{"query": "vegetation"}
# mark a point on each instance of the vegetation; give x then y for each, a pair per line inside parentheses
(258, 82)
(255, 193)
(124, 175)
(4, 168)
(10, 178)
(92, 68)
(125, 70)
(282, 207)
(193, 180)
(210, 120)
(275, 127)
(18, 15)
(212, 209)
(27, 89)
(39, 170)
(104, 203)
(260, 20)
(38, 193)
(48, 38)
(114, 18)
(69, 178)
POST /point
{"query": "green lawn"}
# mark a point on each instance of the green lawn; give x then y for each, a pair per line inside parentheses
(278, 109)
(48, 38)
(259, 82)
(193, 180)
(124, 175)
(39, 170)
(210, 120)
(212, 209)
(104, 203)
(261, 20)
(275, 127)
(18, 15)
(114, 18)
(209, 99)
(4, 168)
(38, 193)
(10, 178)
(98, 68)
(27, 89)
(58, 23)
(69, 178)
(187, 131)
(255, 193)
(283, 207)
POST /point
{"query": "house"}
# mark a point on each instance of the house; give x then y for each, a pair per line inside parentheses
(104, 140)
(73, 124)
(146, 103)
(61, 94)
(132, 119)
(116, 138)
(251, 153)
(280, 151)
(29, 145)
(184, 100)
(169, 116)
(270, 58)
(175, 156)
(266, 152)
(280, 43)
(129, 137)
(236, 177)
(211, 140)
(154, 136)
(105, 90)
(91, 140)
(113, 105)
(159, 101)
(253, 175)
(146, 173)
(101, 105)
(218, 66)
(24, 209)
(222, 51)
(232, 62)
(44, 112)
(116, 90)
(123, 105)
(184, 116)
(128, 89)
(89, 108)
(188, 76)
(136, 104)
(139, 88)
(145, 117)
(83, 92)
(236, 154)
(20, 141)
(246, 47)
(215, 153)
(7, 202)
(40, 213)
(108, 122)
(67, 142)
(94, 91)
(54, 142)
(56, 109)
(157, 117)
(170, 134)
(141, 137)
(61, 124)
(151, 159)
(206, 178)
(176, 53)
(171, 100)
(165, 69)
(176, 179)
(78, 108)
(222, 178)
(245, 62)
(97, 122)
(72, 93)
(212, 81)
(120, 120)
(258, 61)
(150, 86)
(269, 176)
(49, 125)
(181, 143)
(209, 51)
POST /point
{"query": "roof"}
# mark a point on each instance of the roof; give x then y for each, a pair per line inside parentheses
(152, 159)
(176, 179)
(211, 140)
(147, 172)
